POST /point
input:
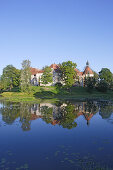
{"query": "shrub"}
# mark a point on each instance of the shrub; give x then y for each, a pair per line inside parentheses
(102, 86)
(58, 85)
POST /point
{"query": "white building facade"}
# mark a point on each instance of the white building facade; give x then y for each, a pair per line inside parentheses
(55, 70)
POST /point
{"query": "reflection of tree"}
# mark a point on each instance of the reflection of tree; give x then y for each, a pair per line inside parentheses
(25, 116)
(67, 117)
(63, 116)
(90, 107)
(47, 113)
(9, 112)
(106, 110)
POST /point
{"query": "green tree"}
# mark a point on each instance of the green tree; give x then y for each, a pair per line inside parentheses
(90, 83)
(102, 86)
(68, 73)
(96, 76)
(1, 84)
(106, 75)
(10, 77)
(25, 84)
(47, 76)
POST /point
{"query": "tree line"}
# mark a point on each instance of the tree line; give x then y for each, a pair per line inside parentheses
(102, 81)
(13, 77)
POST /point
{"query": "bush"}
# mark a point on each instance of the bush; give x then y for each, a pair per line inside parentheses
(102, 86)
(111, 86)
(90, 83)
(58, 85)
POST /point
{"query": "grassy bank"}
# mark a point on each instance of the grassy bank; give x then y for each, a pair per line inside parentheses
(37, 94)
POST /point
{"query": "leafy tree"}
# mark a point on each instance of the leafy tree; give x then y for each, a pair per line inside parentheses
(106, 75)
(90, 83)
(10, 77)
(96, 76)
(1, 84)
(25, 76)
(68, 73)
(102, 86)
(47, 76)
(111, 85)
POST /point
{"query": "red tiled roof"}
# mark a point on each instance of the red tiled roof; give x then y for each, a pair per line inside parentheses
(35, 71)
(88, 117)
(54, 66)
(78, 72)
(88, 70)
(79, 114)
(54, 122)
(34, 117)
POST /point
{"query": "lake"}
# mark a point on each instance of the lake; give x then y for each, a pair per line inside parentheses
(56, 136)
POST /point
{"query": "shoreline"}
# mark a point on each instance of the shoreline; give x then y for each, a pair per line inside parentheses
(39, 94)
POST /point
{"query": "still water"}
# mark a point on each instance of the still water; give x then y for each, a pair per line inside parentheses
(60, 136)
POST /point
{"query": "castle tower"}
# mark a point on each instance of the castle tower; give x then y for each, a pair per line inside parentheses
(87, 63)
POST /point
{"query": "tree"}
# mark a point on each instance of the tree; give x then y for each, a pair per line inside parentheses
(106, 75)
(90, 83)
(4, 84)
(68, 73)
(47, 76)
(96, 76)
(10, 77)
(102, 86)
(1, 84)
(25, 76)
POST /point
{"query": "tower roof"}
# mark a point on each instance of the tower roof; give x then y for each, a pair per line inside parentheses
(87, 63)
(88, 70)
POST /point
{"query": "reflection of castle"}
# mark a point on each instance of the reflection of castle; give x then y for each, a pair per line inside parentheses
(63, 114)
(80, 109)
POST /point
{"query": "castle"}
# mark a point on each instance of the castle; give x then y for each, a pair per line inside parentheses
(55, 69)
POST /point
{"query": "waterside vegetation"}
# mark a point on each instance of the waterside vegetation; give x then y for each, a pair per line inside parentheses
(15, 85)
(54, 94)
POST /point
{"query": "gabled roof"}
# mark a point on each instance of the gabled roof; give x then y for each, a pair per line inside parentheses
(54, 66)
(78, 72)
(88, 70)
(35, 71)
(54, 122)
(34, 117)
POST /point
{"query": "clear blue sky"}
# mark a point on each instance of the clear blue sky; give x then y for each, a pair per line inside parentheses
(52, 31)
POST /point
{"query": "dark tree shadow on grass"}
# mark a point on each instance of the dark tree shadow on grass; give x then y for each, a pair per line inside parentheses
(44, 94)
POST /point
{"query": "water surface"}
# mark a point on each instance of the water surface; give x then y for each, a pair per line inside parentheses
(60, 136)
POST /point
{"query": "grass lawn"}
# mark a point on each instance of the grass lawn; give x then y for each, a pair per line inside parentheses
(53, 93)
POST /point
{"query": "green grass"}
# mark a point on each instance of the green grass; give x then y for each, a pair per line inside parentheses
(37, 94)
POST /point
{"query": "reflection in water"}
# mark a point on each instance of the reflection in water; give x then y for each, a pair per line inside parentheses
(47, 145)
(62, 114)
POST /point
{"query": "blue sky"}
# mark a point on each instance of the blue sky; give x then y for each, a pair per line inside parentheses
(53, 31)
